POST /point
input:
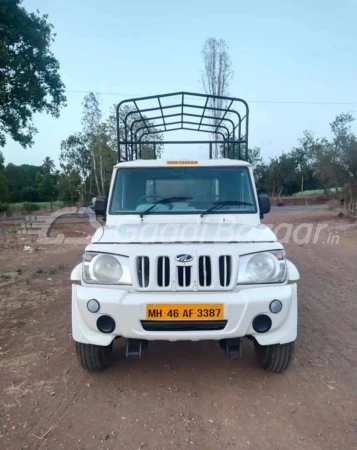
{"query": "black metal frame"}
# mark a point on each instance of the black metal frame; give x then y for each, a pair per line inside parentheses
(226, 122)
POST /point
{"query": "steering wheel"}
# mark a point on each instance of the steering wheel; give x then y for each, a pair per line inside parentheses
(144, 197)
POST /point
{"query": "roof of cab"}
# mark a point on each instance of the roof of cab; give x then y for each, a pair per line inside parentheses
(182, 163)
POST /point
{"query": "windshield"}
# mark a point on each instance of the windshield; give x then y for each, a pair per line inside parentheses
(195, 189)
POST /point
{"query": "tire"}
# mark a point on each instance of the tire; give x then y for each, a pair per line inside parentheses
(93, 357)
(275, 358)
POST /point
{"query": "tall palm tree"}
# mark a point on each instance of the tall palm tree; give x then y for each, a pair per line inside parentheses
(48, 166)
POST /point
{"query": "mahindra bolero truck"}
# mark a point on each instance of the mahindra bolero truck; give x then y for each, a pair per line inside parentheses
(182, 254)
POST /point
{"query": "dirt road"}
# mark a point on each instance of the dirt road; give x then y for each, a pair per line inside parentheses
(179, 395)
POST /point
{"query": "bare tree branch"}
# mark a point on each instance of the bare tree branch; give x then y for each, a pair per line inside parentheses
(216, 77)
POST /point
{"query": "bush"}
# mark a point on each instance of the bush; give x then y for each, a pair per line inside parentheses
(9, 211)
(317, 192)
(3, 207)
(6, 208)
(334, 204)
(29, 207)
(29, 194)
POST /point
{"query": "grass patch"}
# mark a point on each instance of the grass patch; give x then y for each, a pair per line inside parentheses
(4, 277)
(36, 206)
(316, 192)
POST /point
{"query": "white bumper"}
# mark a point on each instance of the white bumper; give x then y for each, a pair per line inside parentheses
(129, 309)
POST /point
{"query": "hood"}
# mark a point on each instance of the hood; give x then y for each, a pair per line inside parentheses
(149, 233)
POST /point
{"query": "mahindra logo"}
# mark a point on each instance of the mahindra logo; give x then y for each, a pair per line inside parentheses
(184, 258)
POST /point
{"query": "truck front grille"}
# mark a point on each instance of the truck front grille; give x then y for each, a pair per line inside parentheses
(204, 273)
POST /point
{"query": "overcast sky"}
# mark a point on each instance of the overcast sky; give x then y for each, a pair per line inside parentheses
(281, 51)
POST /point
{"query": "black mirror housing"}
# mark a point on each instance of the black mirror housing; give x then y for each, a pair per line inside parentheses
(264, 204)
(100, 206)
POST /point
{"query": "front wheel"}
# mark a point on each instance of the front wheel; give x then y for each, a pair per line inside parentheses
(275, 358)
(93, 357)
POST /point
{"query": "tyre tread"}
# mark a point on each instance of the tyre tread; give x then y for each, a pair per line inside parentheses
(275, 358)
(93, 357)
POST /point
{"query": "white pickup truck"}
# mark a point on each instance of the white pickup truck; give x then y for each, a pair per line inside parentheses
(183, 256)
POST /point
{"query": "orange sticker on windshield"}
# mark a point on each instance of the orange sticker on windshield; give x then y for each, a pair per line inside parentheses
(181, 163)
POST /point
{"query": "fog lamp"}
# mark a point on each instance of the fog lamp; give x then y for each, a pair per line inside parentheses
(93, 305)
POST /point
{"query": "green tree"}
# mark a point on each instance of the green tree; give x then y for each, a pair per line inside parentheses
(350, 158)
(289, 177)
(334, 161)
(341, 129)
(4, 184)
(302, 156)
(29, 73)
(275, 175)
(4, 189)
(48, 166)
(70, 186)
(323, 163)
(261, 172)
(281, 176)
(75, 153)
(254, 156)
(135, 123)
(106, 156)
(46, 185)
(20, 178)
(2, 161)
(21, 182)
(344, 158)
(92, 152)
(30, 194)
(91, 119)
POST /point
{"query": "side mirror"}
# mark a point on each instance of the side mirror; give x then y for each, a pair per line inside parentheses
(264, 204)
(100, 206)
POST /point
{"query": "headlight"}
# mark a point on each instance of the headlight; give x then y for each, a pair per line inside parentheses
(264, 267)
(103, 268)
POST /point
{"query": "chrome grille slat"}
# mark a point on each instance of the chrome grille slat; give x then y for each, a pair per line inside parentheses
(205, 271)
(143, 271)
(225, 270)
(163, 271)
(184, 276)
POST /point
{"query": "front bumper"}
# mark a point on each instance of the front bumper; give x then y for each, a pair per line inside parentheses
(129, 309)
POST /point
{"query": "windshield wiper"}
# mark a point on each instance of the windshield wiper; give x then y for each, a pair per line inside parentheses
(218, 205)
(163, 201)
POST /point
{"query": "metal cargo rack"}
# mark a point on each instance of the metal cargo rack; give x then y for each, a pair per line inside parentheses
(141, 120)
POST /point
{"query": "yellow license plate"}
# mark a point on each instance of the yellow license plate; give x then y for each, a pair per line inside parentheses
(206, 311)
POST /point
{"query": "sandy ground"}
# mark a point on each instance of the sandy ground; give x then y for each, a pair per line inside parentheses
(178, 395)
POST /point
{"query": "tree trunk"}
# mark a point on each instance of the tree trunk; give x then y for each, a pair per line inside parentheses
(336, 185)
(302, 185)
(84, 187)
(101, 173)
(96, 175)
